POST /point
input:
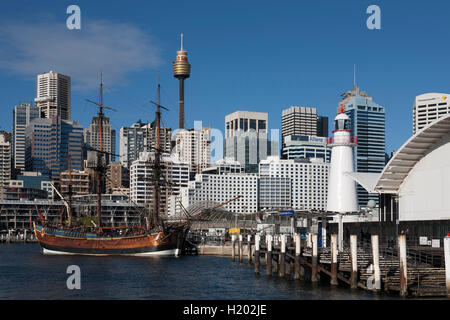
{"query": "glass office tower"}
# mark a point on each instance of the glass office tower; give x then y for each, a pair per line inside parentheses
(368, 124)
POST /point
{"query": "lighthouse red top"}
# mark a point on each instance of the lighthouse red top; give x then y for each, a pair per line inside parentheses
(342, 122)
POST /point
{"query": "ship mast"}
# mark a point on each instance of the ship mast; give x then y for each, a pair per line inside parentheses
(99, 157)
(99, 169)
(69, 202)
(157, 162)
(157, 159)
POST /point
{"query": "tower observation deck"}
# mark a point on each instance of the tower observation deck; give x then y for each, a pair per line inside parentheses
(181, 70)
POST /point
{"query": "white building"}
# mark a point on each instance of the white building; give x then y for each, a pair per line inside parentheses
(227, 165)
(275, 193)
(53, 95)
(213, 189)
(193, 147)
(5, 161)
(428, 107)
(175, 175)
(309, 180)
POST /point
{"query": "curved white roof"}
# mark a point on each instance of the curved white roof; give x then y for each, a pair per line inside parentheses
(410, 154)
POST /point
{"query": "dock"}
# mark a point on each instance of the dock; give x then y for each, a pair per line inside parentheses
(402, 270)
(17, 236)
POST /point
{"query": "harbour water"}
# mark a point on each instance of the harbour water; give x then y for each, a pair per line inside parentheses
(25, 273)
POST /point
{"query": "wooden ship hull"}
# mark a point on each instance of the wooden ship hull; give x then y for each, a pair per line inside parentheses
(62, 241)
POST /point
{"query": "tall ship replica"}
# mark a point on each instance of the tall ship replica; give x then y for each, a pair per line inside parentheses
(153, 236)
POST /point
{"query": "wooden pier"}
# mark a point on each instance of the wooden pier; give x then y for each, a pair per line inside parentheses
(367, 266)
(17, 236)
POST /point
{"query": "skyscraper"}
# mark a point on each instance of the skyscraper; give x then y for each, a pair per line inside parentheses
(50, 143)
(368, 125)
(92, 138)
(174, 175)
(53, 95)
(428, 107)
(301, 121)
(193, 147)
(246, 139)
(23, 114)
(141, 137)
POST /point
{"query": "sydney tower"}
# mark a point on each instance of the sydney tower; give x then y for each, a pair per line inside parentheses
(181, 70)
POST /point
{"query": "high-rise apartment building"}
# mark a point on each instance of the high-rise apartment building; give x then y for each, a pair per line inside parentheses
(368, 124)
(79, 182)
(428, 107)
(174, 175)
(5, 160)
(117, 177)
(23, 114)
(193, 147)
(246, 139)
(50, 143)
(53, 95)
(92, 138)
(141, 137)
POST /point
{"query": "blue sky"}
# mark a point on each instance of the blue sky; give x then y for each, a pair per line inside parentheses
(245, 55)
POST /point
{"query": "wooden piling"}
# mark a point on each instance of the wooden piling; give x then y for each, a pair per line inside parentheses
(249, 249)
(334, 243)
(376, 263)
(240, 249)
(354, 261)
(297, 241)
(282, 257)
(403, 265)
(233, 243)
(269, 255)
(257, 247)
(266, 255)
(314, 259)
(447, 264)
(275, 265)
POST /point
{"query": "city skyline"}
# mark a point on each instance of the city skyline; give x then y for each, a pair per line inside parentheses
(305, 60)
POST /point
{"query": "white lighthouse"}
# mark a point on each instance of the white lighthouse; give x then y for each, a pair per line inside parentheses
(341, 188)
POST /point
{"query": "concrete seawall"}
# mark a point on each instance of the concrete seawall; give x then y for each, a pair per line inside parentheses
(218, 250)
